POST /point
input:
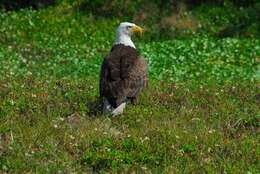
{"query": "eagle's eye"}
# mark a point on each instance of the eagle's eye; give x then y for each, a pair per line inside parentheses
(128, 27)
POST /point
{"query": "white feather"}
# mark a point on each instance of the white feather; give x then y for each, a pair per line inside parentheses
(119, 110)
(108, 109)
(125, 40)
(123, 35)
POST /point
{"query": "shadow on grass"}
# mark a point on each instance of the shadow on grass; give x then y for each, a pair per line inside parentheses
(94, 107)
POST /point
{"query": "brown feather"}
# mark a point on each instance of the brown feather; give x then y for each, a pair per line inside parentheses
(123, 75)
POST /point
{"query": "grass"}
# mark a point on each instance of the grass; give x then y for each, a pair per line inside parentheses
(46, 128)
(200, 113)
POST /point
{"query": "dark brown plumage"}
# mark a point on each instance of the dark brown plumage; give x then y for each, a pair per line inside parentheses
(123, 75)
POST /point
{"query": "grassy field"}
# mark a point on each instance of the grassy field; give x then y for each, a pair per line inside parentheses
(199, 114)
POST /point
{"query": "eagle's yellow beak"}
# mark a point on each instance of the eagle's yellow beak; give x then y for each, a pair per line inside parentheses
(137, 29)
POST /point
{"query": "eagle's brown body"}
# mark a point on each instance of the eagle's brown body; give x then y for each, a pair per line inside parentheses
(123, 75)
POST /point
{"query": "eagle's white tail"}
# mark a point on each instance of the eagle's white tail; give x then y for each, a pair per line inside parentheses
(119, 109)
(108, 109)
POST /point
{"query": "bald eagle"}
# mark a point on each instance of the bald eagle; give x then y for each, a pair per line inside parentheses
(123, 72)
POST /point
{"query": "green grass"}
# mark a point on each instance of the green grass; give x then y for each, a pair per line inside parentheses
(44, 45)
(46, 127)
(200, 113)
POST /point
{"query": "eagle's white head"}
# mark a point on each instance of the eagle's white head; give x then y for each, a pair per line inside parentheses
(124, 32)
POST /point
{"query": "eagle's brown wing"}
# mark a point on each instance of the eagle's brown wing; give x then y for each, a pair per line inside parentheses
(137, 79)
(123, 75)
